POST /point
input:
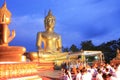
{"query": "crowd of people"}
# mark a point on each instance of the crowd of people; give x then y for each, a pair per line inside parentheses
(81, 71)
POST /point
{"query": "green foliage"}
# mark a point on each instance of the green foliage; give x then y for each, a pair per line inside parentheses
(65, 49)
(87, 45)
(109, 48)
(74, 48)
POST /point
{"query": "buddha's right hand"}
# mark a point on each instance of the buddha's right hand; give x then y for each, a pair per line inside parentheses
(13, 33)
(12, 36)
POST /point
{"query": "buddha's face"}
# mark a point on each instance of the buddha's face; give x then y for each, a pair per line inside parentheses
(50, 22)
(5, 19)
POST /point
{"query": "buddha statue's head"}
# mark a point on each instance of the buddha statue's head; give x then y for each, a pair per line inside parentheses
(5, 15)
(49, 21)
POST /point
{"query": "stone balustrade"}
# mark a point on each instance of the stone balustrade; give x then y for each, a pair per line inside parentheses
(15, 70)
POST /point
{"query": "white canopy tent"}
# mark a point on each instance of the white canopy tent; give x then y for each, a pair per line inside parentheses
(99, 54)
(86, 53)
(92, 53)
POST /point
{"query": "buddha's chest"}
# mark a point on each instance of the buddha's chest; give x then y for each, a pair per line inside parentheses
(50, 37)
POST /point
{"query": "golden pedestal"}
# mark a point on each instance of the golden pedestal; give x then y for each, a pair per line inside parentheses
(48, 61)
(11, 53)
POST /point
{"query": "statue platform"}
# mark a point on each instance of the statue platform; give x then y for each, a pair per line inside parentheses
(48, 61)
(19, 71)
(34, 56)
(12, 53)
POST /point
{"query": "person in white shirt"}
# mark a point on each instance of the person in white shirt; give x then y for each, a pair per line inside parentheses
(99, 75)
(86, 75)
(78, 76)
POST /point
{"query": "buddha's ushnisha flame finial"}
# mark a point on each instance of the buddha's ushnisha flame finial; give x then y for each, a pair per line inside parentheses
(49, 16)
(5, 14)
(4, 5)
(50, 13)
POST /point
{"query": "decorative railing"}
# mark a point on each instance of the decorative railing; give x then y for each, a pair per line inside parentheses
(42, 66)
(15, 70)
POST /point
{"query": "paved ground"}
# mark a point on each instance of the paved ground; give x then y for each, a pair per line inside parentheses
(53, 75)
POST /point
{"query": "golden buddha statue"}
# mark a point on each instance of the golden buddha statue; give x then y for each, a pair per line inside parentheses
(5, 36)
(50, 39)
(48, 42)
(8, 53)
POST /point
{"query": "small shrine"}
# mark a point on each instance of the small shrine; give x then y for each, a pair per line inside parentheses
(13, 65)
